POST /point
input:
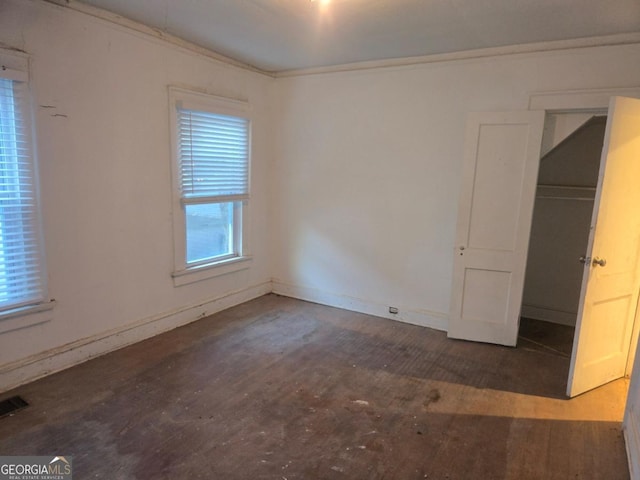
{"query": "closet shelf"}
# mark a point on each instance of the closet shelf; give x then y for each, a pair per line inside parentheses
(565, 192)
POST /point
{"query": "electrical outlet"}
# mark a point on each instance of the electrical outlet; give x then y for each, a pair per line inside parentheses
(393, 310)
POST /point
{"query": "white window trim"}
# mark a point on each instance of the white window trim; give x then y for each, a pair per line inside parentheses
(28, 316)
(184, 274)
(15, 66)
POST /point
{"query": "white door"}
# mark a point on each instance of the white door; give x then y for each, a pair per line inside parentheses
(502, 154)
(611, 279)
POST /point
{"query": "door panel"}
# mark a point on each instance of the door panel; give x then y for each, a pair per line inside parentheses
(502, 153)
(609, 294)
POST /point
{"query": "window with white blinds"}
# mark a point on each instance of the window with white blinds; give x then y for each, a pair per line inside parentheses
(211, 177)
(214, 154)
(22, 270)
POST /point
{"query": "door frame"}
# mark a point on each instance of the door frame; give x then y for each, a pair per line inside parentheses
(568, 101)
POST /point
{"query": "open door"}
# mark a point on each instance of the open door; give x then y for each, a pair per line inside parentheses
(611, 280)
(502, 155)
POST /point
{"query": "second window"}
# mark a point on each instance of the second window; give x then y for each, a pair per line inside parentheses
(212, 150)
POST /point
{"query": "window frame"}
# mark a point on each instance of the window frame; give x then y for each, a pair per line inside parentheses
(15, 67)
(184, 272)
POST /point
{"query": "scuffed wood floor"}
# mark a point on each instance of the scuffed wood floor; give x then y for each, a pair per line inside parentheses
(282, 389)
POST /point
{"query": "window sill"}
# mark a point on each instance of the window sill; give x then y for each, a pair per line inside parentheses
(203, 272)
(28, 316)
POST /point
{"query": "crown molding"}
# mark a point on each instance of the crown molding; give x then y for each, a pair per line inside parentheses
(527, 48)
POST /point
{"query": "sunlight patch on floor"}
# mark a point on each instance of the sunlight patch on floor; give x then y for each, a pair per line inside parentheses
(604, 404)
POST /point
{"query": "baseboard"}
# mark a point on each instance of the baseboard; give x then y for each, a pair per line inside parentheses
(548, 315)
(50, 361)
(423, 318)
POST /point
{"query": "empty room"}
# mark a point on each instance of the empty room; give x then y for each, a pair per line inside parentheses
(319, 239)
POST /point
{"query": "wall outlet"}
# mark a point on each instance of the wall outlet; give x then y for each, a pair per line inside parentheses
(393, 310)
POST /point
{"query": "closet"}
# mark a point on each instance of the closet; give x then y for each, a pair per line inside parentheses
(567, 180)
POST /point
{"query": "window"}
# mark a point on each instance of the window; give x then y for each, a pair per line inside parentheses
(211, 179)
(22, 268)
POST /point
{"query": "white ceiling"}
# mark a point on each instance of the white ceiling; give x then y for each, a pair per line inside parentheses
(278, 35)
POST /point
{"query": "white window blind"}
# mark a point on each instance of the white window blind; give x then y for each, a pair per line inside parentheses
(213, 155)
(21, 266)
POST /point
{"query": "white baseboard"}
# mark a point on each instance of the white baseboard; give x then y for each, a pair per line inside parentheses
(50, 361)
(548, 315)
(423, 318)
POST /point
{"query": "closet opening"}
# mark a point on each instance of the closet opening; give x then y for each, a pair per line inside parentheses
(567, 180)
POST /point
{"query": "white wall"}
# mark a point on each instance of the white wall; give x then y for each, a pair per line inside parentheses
(368, 170)
(106, 186)
(631, 422)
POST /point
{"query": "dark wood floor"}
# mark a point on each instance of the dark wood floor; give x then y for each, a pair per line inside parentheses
(282, 389)
(546, 337)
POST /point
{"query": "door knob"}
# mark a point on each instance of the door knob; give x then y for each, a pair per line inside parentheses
(599, 261)
(584, 259)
